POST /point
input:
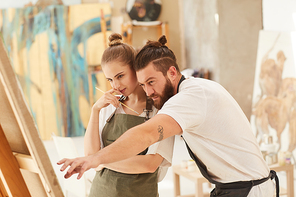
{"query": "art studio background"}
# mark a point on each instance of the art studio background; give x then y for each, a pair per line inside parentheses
(248, 46)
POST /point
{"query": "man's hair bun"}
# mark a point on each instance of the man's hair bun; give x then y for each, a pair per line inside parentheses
(162, 40)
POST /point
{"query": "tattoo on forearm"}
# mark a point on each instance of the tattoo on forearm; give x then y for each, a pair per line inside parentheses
(160, 131)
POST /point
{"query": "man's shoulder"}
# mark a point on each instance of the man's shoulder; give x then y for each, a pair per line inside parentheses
(198, 83)
(191, 84)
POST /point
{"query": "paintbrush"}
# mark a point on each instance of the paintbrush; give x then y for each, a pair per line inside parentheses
(119, 101)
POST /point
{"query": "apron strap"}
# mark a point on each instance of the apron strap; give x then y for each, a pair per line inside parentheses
(182, 79)
(122, 98)
(203, 169)
(149, 103)
(277, 183)
(244, 184)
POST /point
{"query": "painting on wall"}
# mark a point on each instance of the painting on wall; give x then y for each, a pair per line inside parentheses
(52, 50)
(274, 93)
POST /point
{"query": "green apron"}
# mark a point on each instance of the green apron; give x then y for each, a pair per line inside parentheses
(109, 183)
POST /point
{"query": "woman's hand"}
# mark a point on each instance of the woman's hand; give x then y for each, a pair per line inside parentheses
(107, 99)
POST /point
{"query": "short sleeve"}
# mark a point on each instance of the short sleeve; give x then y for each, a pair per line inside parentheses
(190, 103)
(165, 149)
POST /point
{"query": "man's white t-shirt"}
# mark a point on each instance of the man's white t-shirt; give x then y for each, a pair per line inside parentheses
(218, 132)
(164, 148)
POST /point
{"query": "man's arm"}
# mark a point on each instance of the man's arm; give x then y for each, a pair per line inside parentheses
(132, 142)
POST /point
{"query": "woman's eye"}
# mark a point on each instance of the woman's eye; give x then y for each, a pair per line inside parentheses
(120, 76)
(110, 80)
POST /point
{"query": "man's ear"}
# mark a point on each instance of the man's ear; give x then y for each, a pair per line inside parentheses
(172, 73)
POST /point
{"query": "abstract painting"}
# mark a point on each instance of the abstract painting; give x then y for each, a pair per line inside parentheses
(52, 50)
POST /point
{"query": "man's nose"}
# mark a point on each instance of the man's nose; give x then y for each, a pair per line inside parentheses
(149, 91)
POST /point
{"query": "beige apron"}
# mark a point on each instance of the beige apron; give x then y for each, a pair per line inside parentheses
(108, 183)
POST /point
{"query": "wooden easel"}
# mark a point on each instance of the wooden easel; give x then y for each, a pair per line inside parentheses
(10, 168)
(25, 168)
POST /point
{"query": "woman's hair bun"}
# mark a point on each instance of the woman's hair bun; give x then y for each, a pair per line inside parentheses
(162, 40)
(115, 39)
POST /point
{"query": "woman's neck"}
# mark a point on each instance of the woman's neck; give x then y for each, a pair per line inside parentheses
(136, 101)
(138, 95)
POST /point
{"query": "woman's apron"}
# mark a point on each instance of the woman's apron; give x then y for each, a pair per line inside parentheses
(233, 189)
(109, 183)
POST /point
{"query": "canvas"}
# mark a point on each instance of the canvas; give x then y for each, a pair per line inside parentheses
(274, 93)
(52, 50)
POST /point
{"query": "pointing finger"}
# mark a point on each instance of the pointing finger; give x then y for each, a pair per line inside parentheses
(82, 170)
(66, 162)
(61, 161)
(74, 165)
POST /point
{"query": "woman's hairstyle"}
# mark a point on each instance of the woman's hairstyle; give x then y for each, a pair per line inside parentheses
(119, 51)
(157, 53)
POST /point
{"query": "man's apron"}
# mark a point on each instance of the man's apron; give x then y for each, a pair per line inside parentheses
(233, 189)
(109, 183)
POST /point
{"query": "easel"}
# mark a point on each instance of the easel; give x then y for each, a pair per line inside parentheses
(25, 168)
(10, 168)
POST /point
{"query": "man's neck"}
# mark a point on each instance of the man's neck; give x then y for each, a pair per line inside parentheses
(178, 78)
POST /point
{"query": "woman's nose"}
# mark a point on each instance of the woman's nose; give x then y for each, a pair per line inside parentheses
(116, 84)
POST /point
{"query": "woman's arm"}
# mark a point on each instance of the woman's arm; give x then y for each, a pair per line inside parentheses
(92, 142)
(135, 165)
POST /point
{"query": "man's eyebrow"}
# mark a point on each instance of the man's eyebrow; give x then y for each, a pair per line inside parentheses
(149, 79)
(146, 80)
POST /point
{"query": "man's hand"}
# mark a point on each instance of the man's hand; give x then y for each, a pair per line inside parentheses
(78, 165)
(100, 167)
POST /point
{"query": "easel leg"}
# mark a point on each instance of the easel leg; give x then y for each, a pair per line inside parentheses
(2, 190)
(11, 176)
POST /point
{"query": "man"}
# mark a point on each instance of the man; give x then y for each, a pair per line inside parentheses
(217, 133)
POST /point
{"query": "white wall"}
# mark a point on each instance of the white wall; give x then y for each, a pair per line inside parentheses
(21, 3)
(277, 15)
(201, 35)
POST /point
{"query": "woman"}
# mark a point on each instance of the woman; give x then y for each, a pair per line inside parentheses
(136, 176)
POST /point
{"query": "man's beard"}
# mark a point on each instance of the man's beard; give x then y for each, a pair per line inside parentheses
(167, 93)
